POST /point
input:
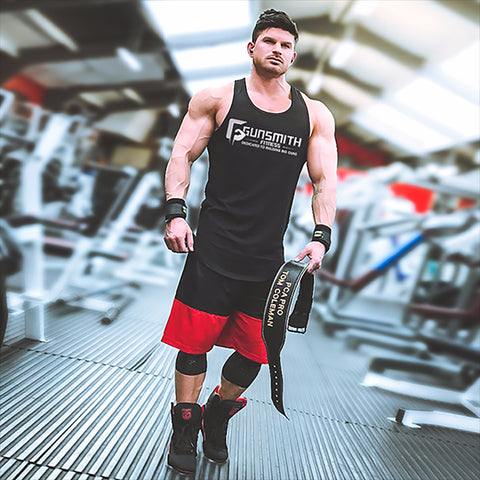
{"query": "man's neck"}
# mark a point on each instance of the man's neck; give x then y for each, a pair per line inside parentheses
(270, 86)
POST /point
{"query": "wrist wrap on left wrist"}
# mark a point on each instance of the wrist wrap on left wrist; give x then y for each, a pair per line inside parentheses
(322, 234)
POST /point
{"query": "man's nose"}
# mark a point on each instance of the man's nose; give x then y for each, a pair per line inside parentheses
(277, 48)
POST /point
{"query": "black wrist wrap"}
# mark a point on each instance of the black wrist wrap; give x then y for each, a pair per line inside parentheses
(175, 208)
(322, 234)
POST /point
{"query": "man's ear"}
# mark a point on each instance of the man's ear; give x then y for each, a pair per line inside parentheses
(250, 48)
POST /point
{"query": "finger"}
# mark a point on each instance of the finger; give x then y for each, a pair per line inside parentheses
(168, 243)
(313, 266)
(172, 244)
(301, 256)
(190, 240)
(181, 246)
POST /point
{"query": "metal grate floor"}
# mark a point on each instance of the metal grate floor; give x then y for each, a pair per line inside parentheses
(93, 401)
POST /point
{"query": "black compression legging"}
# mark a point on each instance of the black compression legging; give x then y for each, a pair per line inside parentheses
(191, 364)
(240, 370)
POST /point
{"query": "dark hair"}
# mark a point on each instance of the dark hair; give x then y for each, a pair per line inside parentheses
(274, 19)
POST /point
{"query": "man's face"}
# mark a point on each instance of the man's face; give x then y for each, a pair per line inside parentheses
(273, 52)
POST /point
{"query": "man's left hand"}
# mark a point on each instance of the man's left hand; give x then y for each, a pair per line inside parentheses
(315, 251)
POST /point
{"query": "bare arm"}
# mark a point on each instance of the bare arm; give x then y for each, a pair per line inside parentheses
(192, 138)
(322, 168)
(197, 127)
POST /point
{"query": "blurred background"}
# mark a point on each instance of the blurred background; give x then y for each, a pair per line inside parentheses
(92, 93)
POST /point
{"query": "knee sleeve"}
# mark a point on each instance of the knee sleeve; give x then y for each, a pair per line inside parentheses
(190, 364)
(240, 370)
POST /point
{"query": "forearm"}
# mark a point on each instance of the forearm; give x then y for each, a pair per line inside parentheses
(178, 235)
(324, 203)
(177, 177)
(323, 206)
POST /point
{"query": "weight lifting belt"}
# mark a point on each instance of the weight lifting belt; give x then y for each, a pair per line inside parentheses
(289, 280)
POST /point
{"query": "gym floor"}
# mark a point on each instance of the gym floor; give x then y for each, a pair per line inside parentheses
(93, 403)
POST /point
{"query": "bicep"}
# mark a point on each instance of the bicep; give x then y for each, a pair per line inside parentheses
(322, 155)
(192, 138)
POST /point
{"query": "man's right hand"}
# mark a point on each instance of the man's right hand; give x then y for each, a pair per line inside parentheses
(179, 236)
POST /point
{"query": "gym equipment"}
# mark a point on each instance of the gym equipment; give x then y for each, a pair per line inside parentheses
(41, 167)
(452, 364)
(452, 358)
(416, 418)
(80, 275)
(456, 279)
(424, 311)
(30, 203)
(6, 100)
(10, 263)
(3, 305)
(38, 133)
(339, 312)
(98, 243)
(21, 122)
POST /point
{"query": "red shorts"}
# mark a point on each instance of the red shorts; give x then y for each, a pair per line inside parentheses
(211, 309)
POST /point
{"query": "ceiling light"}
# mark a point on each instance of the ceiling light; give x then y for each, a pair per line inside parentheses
(464, 69)
(195, 86)
(398, 128)
(204, 58)
(173, 18)
(315, 83)
(91, 98)
(343, 53)
(362, 8)
(174, 110)
(441, 107)
(7, 45)
(132, 94)
(51, 29)
(129, 59)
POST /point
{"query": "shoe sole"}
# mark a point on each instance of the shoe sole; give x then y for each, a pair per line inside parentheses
(218, 462)
(181, 472)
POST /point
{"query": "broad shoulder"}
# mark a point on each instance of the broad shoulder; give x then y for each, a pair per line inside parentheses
(321, 117)
(211, 100)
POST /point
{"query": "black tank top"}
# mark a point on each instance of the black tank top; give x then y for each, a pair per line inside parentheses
(255, 160)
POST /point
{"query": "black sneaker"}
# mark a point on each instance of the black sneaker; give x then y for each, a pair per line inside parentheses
(182, 451)
(216, 414)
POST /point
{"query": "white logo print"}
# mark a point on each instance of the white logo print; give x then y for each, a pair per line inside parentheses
(239, 134)
(252, 137)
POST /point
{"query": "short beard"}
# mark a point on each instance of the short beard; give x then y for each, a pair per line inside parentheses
(272, 73)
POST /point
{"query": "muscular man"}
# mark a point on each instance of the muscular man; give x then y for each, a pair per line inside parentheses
(259, 133)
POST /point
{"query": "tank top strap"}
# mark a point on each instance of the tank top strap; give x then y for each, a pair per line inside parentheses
(239, 88)
(297, 99)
